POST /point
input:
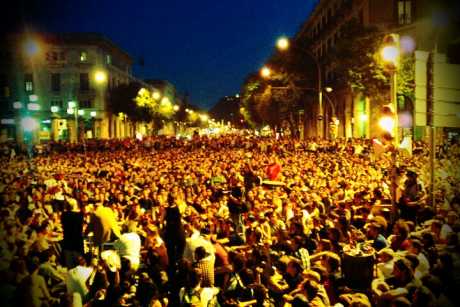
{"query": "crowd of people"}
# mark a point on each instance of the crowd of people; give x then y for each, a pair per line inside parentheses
(229, 221)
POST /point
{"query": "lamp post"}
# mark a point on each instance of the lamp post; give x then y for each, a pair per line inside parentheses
(266, 73)
(283, 44)
(390, 56)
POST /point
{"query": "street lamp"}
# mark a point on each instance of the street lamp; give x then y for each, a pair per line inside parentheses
(156, 95)
(31, 47)
(390, 56)
(283, 44)
(265, 72)
(100, 76)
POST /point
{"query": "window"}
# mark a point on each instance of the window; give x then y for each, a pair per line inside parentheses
(84, 82)
(83, 56)
(52, 56)
(57, 103)
(108, 59)
(56, 82)
(29, 82)
(404, 12)
(85, 104)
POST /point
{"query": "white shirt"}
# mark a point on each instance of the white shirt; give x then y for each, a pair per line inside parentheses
(76, 280)
(194, 241)
(423, 267)
(129, 246)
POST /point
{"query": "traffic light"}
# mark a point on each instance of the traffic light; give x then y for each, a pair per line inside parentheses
(387, 121)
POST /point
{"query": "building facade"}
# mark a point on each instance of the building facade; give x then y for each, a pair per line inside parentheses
(356, 114)
(55, 87)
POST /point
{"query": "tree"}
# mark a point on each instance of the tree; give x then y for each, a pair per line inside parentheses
(122, 99)
(357, 64)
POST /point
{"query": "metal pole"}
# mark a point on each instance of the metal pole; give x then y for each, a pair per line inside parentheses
(432, 165)
(76, 122)
(430, 120)
(394, 103)
(305, 127)
(320, 101)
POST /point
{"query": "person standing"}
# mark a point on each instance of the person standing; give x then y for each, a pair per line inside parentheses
(72, 225)
(174, 238)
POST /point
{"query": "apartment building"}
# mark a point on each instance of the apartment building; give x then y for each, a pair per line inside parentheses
(323, 29)
(59, 84)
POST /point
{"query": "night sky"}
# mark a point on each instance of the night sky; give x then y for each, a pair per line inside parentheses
(204, 47)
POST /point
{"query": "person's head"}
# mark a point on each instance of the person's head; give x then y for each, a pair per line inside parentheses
(332, 262)
(386, 254)
(400, 301)
(436, 226)
(413, 260)
(200, 253)
(294, 267)
(402, 270)
(373, 230)
(423, 297)
(311, 288)
(401, 229)
(33, 263)
(433, 283)
(416, 246)
(260, 293)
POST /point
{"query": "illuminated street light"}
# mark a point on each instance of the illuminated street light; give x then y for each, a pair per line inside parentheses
(282, 43)
(31, 47)
(70, 111)
(54, 109)
(93, 113)
(81, 112)
(390, 54)
(29, 124)
(156, 95)
(33, 98)
(176, 107)
(265, 72)
(100, 76)
(328, 89)
(72, 104)
(387, 124)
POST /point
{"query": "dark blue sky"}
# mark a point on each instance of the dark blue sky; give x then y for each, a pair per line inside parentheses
(204, 47)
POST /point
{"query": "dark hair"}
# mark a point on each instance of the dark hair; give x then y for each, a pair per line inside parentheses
(311, 287)
(32, 264)
(200, 253)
